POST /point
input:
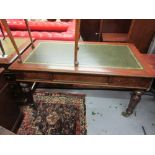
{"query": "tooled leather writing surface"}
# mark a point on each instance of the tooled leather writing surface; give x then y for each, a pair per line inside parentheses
(95, 55)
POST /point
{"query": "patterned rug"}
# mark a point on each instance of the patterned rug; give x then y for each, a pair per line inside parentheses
(56, 114)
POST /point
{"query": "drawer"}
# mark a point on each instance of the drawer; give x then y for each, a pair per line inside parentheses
(130, 82)
(80, 78)
(33, 75)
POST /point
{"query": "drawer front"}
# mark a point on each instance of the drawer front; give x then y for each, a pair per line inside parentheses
(80, 78)
(33, 75)
(130, 82)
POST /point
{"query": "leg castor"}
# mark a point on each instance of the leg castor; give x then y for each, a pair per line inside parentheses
(134, 100)
(76, 64)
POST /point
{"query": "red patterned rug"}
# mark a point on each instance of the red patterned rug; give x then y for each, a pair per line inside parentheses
(56, 114)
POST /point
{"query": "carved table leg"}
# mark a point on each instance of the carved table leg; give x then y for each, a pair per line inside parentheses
(26, 88)
(134, 100)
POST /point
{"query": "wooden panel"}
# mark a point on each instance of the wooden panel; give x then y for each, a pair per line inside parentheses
(81, 78)
(141, 33)
(115, 37)
(116, 25)
(9, 110)
(85, 80)
(92, 80)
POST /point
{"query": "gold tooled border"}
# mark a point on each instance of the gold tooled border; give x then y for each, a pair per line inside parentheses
(55, 42)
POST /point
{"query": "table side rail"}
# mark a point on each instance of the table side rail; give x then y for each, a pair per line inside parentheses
(82, 79)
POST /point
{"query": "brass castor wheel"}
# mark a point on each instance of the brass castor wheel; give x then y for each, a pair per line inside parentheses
(126, 114)
(76, 64)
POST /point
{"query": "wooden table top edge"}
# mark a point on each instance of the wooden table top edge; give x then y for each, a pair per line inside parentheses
(146, 72)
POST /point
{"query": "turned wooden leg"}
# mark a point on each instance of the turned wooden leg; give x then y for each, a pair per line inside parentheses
(134, 100)
(26, 88)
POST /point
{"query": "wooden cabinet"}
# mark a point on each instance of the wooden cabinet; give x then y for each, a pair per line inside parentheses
(104, 29)
(115, 30)
(137, 31)
(9, 111)
(90, 29)
(141, 33)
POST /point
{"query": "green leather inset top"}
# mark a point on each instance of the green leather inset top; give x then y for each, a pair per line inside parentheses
(8, 47)
(89, 55)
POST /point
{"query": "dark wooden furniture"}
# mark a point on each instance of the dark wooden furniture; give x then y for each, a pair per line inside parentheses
(9, 111)
(115, 30)
(105, 29)
(101, 65)
(89, 29)
(141, 34)
(137, 31)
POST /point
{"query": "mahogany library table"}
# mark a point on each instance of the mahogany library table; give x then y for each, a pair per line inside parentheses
(101, 65)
